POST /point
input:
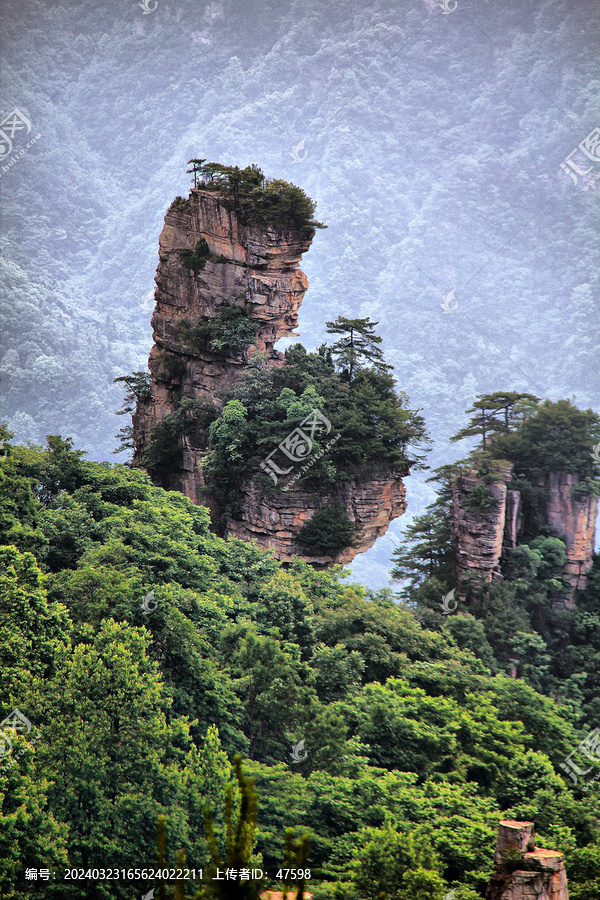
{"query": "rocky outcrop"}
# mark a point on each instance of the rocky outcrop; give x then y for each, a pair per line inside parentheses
(251, 267)
(478, 534)
(576, 521)
(480, 537)
(273, 520)
(512, 519)
(256, 269)
(524, 871)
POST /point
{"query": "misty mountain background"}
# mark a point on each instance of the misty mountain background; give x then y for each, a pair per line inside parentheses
(430, 137)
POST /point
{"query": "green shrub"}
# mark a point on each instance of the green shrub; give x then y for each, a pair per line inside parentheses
(275, 203)
(328, 532)
(174, 364)
(197, 259)
(230, 333)
(480, 500)
(587, 487)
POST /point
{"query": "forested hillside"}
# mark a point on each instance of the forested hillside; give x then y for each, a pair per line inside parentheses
(145, 652)
(431, 142)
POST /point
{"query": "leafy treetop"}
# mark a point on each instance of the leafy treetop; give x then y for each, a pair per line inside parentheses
(496, 413)
(273, 202)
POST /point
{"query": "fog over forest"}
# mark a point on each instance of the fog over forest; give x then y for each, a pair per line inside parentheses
(436, 138)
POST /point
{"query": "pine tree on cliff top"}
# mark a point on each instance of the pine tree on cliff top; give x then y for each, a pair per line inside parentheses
(487, 410)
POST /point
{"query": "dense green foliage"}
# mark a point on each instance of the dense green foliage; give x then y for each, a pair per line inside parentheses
(272, 202)
(416, 744)
(328, 531)
(365, 423)
(558, 438)
(371, 423)
(517, 620)
(229, 333)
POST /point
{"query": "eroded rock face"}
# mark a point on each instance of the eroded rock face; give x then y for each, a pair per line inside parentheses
(255, 268)
(576, 520)
(480, 538)
(524, 871)
(274, 519)
(477, 536)
(251, 267)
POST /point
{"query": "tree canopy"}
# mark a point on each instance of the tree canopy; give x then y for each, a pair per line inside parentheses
(416, 741)
(272, 202)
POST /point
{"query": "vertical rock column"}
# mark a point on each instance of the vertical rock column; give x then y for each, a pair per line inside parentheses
(576, 520)
(477, 535)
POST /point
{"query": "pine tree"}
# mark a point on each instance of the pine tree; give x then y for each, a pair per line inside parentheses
(358, 346)
(425, 551)
(487, 411)
(196, 165)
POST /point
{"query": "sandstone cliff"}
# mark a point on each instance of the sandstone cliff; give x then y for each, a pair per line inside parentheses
(524, 871)
(480, 537)
(251, 267)
(273, 520)
(255, 269)
(477, 536)
(576, 520)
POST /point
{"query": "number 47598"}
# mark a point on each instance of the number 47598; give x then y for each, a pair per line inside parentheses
(293, 875)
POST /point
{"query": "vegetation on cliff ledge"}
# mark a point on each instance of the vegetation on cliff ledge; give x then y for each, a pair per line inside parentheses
(365, 424)
(515, 621)
(272, 202)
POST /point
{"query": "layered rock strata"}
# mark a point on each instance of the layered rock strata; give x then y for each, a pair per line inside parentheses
(255, 268)
(273, 520)
(524, 871)
(481, 537)
(478, 535)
